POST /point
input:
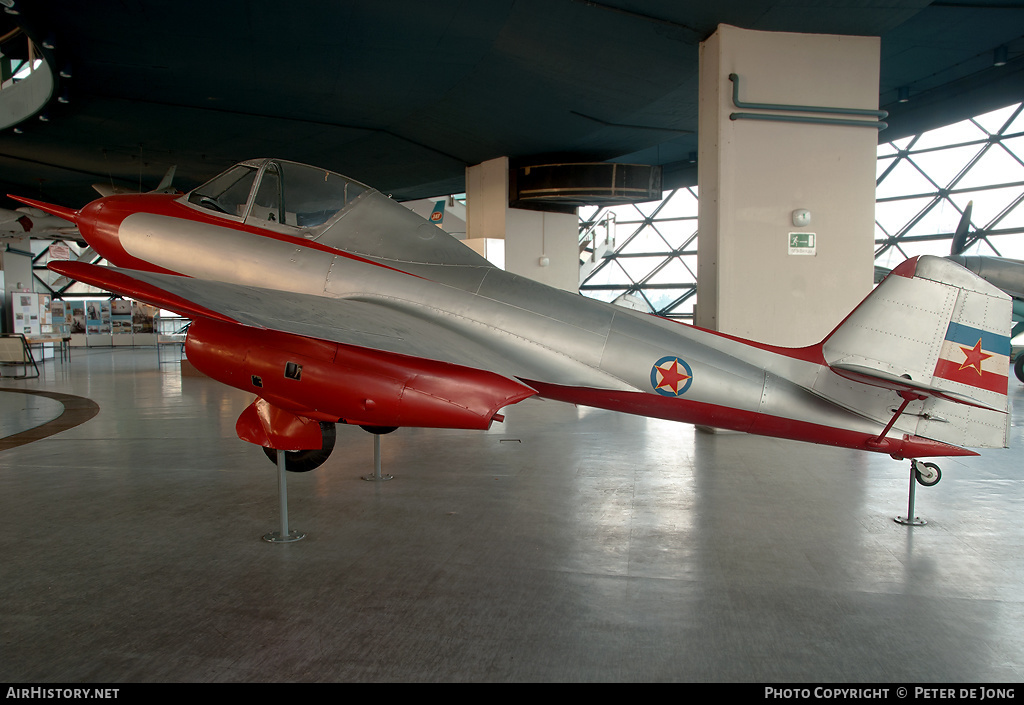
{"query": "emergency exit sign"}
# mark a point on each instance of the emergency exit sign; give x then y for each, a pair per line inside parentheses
(801, 243)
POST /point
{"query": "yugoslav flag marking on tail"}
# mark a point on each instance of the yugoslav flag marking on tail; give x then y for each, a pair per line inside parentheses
(975, 357)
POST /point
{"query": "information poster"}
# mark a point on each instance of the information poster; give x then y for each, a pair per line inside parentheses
(97, 317)
(78, 317)
(45, 317)
(60, 315)
(30, 313)
(92, 317)
(25, 311)
(121, 317)
(143, 316)
(104, 316)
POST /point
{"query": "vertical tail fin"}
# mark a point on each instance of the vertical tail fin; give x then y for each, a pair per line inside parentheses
(937, 329)
(166, 183)
(437, 215)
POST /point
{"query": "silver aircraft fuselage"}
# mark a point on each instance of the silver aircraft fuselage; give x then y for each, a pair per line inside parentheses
(378, 277)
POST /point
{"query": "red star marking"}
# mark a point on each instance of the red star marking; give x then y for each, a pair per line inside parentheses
(974, 357)
(672, 376)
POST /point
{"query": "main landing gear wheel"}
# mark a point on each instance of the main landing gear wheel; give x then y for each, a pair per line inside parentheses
(306, 460)
(927, 474)
(1018, 366)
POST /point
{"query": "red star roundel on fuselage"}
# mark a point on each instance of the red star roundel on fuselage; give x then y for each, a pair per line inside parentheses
(671, 376)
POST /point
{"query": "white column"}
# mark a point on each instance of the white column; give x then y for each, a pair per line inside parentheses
(754, 174)
(16, 276)
(535, 244)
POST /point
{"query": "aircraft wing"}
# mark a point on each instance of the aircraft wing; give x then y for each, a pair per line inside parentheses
(364, 323)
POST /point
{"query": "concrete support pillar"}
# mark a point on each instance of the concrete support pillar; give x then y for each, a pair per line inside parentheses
(754, 174)
(15, 275)
(539, 245)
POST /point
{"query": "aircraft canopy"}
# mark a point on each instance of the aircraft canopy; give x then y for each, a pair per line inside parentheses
(274, 193)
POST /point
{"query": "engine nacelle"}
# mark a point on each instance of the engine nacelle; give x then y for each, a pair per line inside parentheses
(328, 381)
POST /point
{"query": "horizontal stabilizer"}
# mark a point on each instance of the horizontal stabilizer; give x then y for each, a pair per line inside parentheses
(867, 375)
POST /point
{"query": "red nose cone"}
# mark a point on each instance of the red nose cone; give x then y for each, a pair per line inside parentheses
(101, 221)
(98, 223)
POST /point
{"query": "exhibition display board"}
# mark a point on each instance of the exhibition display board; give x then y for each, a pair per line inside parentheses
(102, 322)
(30, 313)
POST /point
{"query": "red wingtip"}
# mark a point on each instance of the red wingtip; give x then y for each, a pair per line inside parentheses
(59, 211)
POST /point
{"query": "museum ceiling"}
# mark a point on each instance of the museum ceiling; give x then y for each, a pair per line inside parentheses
(403, 95)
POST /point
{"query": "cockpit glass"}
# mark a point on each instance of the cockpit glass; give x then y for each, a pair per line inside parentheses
(312, 196)
(288, 194)
(226, 193)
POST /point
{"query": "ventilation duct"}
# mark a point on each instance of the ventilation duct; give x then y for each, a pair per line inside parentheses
(566, 186)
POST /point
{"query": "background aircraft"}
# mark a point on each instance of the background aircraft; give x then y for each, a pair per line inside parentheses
(1005, 273)
(437, 215)
(40, 225)
(333, 303)
(166, 185)
(37, 224)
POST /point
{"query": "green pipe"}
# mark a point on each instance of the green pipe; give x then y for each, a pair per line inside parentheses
(798, 108)
(814, 120)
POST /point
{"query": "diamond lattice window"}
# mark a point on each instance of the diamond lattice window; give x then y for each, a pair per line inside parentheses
(923, 186)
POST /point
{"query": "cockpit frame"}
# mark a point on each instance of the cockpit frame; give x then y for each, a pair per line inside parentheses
(279, 195)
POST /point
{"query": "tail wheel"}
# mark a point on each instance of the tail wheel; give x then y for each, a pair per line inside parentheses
(927, 474)
(306, 460)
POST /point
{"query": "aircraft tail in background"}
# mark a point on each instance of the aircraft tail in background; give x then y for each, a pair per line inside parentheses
(437, 215)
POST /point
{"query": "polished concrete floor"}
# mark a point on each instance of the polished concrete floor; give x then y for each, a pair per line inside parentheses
(563, 545)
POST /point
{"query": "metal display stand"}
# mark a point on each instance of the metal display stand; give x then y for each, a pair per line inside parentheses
(284, 535)
(170, 333)
(377, 476)
(910, 519)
